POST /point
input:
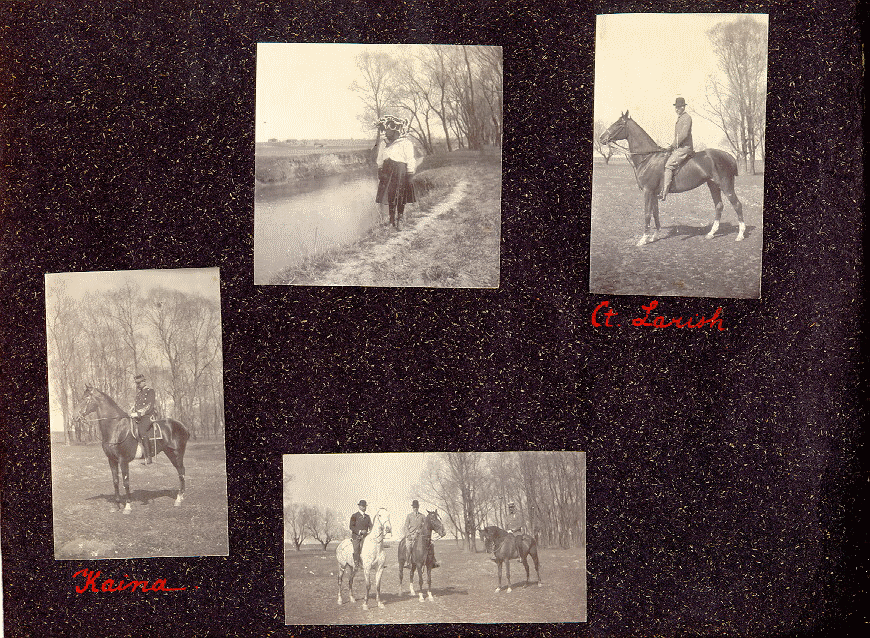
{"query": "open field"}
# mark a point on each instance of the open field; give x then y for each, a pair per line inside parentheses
(283, 149)
(450, 238)
(681, 261)
(86, 527)
(463, 586)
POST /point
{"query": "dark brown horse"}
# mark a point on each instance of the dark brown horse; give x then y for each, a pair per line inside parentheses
(505, 547)
(120, 444)
(420, 554)
(717, 169)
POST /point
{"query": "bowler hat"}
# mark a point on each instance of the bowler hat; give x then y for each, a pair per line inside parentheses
(362, 504)
(680, 102)
(139, 377)
(415, 503)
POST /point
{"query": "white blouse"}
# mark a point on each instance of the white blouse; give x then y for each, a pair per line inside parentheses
(402, 150)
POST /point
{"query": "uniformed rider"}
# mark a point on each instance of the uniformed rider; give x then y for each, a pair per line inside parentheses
(143, 414)
(515, 520)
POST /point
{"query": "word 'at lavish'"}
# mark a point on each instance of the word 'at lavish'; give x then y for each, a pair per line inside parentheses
(696, 321)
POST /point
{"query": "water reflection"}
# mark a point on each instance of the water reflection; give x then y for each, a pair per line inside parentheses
(292, 222)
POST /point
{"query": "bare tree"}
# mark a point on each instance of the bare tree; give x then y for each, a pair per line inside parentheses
(64, 330)
(324, 526)
(296, 523)
(736, 101)
(604, 149)
(378, 86)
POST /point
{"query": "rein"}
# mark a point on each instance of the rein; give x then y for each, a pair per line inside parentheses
(629, 153)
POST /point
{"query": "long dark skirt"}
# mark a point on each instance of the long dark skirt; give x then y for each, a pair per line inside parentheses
(394, 185)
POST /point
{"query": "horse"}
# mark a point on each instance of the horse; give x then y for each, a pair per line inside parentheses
(372, 556)
(120, 444)
(419, 554)
(506, 546)
(713, 167)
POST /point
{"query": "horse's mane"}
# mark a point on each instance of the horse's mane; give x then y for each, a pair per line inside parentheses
(108, 399)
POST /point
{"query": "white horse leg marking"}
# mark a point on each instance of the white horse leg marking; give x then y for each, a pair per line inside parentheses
(740, 236)
(713, 230)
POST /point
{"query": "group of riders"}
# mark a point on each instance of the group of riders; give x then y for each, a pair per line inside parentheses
(361, 525)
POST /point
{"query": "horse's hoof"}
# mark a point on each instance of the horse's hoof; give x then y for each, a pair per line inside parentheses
(540, 584)
(431, 597)
(421, 598)
(339, 602)
(178, 502)
(509, 590)
(642, 241)
(352, 599)
(740, 238)
(709, 236)
(365, 607)
(497, 589)
(381, 605)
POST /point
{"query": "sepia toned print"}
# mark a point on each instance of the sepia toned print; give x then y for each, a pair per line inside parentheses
(678, 155)
(472, 537)
(135, 379)
(378, 165)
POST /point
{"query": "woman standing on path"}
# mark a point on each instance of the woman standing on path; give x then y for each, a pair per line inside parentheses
(396, 167)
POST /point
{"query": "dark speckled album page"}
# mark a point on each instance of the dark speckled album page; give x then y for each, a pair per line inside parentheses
(507, 323)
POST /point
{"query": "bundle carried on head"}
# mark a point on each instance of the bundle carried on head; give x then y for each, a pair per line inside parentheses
(392, 123)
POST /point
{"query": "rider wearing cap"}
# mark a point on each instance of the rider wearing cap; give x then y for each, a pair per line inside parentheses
(143, 414)
(360, 526)
(515, 520)
(682, 147)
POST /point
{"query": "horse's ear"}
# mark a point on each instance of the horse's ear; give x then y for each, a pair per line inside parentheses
(626, 115)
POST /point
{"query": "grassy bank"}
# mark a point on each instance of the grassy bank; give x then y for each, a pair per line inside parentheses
(458, 247)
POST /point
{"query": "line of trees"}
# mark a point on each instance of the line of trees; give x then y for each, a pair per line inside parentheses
(171, 337)
(473, 489)
(736, 99)
(452, 91)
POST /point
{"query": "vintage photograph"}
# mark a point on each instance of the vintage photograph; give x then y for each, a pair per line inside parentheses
(470, 537)
(378, 165)
(678, 154)
(135, 384)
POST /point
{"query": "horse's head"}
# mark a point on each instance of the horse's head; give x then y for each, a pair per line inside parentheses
(616, 131)
(382, 521)
(487, 534)
(89, 402)
(435, 523)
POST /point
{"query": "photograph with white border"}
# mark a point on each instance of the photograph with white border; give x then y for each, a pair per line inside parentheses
(435, 537)
(678, 154)
(378, 165)
(136, 417)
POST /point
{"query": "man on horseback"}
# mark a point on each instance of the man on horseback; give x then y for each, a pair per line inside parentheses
(413, 528)
(515, 520)
(144, 414)
(681, 149)
(360, 526)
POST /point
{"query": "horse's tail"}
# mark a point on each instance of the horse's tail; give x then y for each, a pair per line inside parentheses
(725, 163)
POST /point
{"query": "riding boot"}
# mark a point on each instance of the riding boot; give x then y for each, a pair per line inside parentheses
(666, 183)
(146, 444)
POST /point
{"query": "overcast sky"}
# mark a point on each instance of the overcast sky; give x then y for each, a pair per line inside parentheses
(339, 481)
(303, 91)
(644, 61)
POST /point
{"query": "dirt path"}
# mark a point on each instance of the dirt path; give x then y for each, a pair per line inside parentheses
(449, 239)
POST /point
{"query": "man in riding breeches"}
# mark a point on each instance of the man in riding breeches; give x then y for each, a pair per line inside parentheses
(682, 147)
(515, 520)
(413, 529)
(143, 414)
(360, 526)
